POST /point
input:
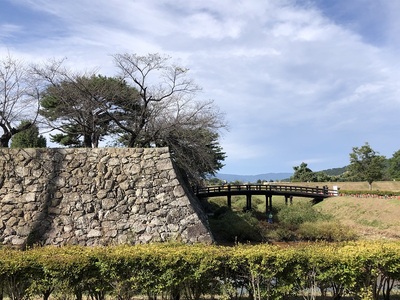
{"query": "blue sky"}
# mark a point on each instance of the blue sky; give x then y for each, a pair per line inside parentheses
(298, 81)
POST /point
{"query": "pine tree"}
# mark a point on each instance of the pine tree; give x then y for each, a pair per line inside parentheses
(29, 138)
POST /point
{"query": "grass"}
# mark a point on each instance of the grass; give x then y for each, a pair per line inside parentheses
(299, 221)
(353, 186)
(369, 218)
(372, 218)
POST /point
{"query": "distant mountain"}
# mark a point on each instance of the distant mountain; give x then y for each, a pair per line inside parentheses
(253, 178)
(272, 176)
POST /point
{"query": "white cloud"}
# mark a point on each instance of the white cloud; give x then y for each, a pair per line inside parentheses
(279, 70)
(7, 30)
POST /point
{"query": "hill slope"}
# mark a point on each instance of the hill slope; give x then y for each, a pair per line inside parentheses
(372, 218)
(393, 186)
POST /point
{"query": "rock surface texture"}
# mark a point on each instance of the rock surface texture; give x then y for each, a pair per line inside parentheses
(101, 196)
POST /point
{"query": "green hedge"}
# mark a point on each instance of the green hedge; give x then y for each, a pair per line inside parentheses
(360, 269)
(371, 194)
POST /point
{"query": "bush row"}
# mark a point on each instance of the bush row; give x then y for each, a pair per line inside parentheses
(372, 194)
(172, 271)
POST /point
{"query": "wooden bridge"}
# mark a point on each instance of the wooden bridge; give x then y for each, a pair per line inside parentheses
(288, 191)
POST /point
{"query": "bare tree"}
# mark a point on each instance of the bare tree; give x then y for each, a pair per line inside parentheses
(170, 115)
(19, 98)
(157, 81)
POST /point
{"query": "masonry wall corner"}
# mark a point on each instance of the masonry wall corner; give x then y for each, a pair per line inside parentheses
(96, 196)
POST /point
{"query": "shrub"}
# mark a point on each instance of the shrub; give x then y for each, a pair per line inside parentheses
(291, 217)
(280, 234)
(369, 193)
(325, 230)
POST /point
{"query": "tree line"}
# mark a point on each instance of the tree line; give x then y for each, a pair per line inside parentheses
(150, 102)
(366, 164)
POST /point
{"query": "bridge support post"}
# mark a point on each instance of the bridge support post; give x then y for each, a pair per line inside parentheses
(287, 198)
(229, 198)
(248, 202)
(268, 203)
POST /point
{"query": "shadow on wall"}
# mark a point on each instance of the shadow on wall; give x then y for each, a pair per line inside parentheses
(42, 222)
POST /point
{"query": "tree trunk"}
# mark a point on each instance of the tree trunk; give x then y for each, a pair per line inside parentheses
(5, 139)
(87, 141)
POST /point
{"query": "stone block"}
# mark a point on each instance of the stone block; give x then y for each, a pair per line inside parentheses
(7, 208)
(17, 241)
(94, 233)
(11, 222)
(108, 203)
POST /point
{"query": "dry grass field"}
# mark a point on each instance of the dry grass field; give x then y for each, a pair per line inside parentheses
(372, 218)
(353, 186)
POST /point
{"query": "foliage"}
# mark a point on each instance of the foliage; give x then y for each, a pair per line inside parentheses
(214, 181)
(369, 193)
(335, 171)
(196, 151)
(301, 222)
(323, 230)
(303, 173)
(82, 107)
(366, 164)
(28, 138)
(292, 216)
(193, 271)
(290, 222)
(394, 165)
(233, 227)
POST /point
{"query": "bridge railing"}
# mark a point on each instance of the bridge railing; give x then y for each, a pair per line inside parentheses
(261, 187)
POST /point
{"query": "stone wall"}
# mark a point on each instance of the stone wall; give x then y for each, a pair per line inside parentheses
(97, 196)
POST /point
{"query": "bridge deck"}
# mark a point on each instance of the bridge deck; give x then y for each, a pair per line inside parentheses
(261, 189)
(289, 191)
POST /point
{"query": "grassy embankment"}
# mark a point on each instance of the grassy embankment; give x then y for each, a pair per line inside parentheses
(366, 217)
(372, 218)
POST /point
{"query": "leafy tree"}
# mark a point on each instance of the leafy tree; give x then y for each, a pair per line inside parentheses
(18, 98)
(215, 181)
(195, 150)
(168, 114)
(366, 164)
(394, 165)
(322, 177)
(82, 107)
(303, 173)
(28, 138)
(237, 182)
